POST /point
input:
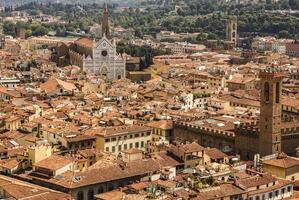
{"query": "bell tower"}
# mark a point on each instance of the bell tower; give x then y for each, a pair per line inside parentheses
(270, 111)
(105, 22)
(231, 31)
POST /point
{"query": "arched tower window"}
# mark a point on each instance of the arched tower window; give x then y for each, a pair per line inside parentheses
(277, 93)
(90, 194)
(266, 91)
(80, 195)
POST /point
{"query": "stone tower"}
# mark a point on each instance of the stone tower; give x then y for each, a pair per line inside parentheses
(105, 22)
(231, 31)
(2, 41)
(270, 117)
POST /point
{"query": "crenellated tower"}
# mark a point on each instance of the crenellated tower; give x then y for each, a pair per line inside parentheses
(270, 111)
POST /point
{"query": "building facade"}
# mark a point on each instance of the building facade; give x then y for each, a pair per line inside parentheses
(105, 60)
(99, 56)
(231, 31)
(270, 117)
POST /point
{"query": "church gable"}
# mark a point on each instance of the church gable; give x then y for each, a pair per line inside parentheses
(104, 43)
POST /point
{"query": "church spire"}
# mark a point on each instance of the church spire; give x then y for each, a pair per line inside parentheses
(105, 22)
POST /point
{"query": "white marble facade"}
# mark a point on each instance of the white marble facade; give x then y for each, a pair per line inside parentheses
(105, 61)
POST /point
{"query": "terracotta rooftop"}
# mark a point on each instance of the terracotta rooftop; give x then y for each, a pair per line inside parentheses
(285, 162)
(23, 190)
(224, 190)
(120, 130)
(162, 124)
(85, 42)
(214, 153)
(54, 84)
(256, 180)
(53, 162)
(106, 173)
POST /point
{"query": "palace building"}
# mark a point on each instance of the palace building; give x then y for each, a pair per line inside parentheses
(98, 56)
(247, 136)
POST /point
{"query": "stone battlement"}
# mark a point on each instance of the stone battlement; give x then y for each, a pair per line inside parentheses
(206, 129)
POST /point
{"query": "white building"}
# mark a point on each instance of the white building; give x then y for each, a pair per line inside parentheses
(105, 60)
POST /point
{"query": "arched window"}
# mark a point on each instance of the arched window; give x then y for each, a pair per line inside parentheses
(80, 195)
(90, 194)
(266, 91)
(100, 190)
(277, 93)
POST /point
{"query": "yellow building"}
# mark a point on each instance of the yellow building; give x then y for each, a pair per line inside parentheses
(213, 155)
(283, 166)
(219, 104)
(39, 152)
(191, 154)
(117, 139)
(86, 158)
(12, 123)
(162, 134)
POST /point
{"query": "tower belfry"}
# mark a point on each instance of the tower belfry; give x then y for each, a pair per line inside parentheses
(231, 31)
(105, 22)
(270, 113)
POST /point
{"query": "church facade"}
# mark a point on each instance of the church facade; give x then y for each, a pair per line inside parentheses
(99, 56)
(105, 61)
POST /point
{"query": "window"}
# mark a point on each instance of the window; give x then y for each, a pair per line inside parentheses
(90, 194)
(131, 145)
(125, 146)
(104, 53)
(270, 195)
(100, 190)
(142, 134)
(282, 190)
(289, 188)
(125, 137)
(276, 193)
(131, 136)
(257, 198)
(266, 91)
(107, 149)
(113, 149)
(119, 147)
(148, 133)
(142, 144)
(136, 144)
(113, 139)
(263, 197)
(107, 140)
(277, 93)
(136, 135)
(80, 195)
